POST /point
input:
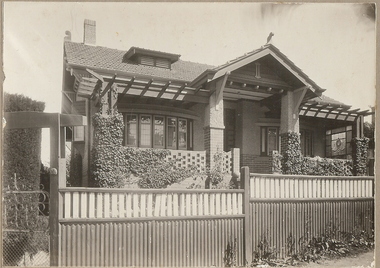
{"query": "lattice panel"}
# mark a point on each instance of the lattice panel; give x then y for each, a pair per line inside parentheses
(227, 162)
(188, 158)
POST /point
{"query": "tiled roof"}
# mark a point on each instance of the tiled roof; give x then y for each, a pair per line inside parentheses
(323, 99)
(112, 59)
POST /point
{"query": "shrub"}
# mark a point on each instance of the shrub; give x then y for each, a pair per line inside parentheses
(326, 167)
(22, 147)
(360, 155)
(292, 158)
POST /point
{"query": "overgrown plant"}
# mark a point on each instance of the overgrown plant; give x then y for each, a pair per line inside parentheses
(230, 254)
(360, 155)
(291, 158)
(264, 254)
(115, 166)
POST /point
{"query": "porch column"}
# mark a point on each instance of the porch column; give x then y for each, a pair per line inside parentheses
(214, 120)
(290, 103)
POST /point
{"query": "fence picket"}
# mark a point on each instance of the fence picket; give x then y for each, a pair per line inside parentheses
(67, 204)
(99, 205)
(106, 205)
(76, 205)
(143, 205)
(150, 205)
(114, 204)
(91, 205)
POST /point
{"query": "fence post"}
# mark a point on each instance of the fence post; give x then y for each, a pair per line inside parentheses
(244, 180)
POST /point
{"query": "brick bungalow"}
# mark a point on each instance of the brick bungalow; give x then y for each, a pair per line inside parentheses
(180, 105)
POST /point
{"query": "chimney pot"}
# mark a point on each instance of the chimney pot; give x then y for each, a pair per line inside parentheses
(89, 37)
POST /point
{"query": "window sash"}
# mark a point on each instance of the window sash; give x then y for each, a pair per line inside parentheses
(131, 135)
(145, 135)
(171, 137)
(159, 132)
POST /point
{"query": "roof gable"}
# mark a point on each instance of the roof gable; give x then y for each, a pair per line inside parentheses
(265, 52)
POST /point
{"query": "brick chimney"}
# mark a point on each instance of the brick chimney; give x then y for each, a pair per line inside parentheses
(89, 34)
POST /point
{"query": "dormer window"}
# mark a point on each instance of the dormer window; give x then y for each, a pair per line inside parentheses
(157, 62)
(150, 57)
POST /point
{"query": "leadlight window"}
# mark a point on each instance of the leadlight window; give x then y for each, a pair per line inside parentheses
(131, 130)
(172, 130)
(269, 140)
(338, 142)
(159, 128)
(158, 131)
(145, 131)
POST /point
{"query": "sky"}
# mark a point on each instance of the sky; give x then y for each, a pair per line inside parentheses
(334, 44)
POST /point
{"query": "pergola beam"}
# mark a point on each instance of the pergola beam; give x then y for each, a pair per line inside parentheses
(18, 120)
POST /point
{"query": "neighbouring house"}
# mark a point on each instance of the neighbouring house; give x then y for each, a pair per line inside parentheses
(169, 103)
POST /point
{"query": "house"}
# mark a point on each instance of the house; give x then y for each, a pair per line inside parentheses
(169, 103)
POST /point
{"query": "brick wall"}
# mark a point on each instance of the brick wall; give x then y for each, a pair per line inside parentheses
(257, 164)
(213, 138)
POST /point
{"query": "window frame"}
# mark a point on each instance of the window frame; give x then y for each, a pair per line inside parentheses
(140, 131)
(328, 142)
(264, 140)
(188, 133)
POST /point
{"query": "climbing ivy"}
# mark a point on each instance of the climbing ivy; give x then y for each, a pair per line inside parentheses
(360, 155)
(292, 158)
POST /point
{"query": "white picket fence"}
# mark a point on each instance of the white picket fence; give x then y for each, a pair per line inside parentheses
(294, 186)
(127, 203)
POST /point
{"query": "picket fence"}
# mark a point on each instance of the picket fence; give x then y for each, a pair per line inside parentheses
(177, 228)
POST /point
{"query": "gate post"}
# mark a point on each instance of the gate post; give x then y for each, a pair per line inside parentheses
(55, 152)
(246, 208)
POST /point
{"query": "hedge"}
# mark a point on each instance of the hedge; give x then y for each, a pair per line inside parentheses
(22, 147)
(22, 156)
(360, 155)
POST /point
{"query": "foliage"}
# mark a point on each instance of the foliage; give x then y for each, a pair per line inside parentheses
(74, 168)
(264, 254)
(115, 166)
(292, 158)
(276, 162)
(22, 147)
(326, 166)
(21, 171)
(360, 155)
(332, 243)
(369, 132)
(230, 254)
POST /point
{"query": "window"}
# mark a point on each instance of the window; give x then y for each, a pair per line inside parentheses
(131, 130)
(270, 140)
(157, 62)
(338, 142)
(145, 131)
(182, 134)
(159, 136)
(306, 142)
(157, 131)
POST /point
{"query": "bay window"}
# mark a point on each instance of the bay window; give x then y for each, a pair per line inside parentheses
(157, 131)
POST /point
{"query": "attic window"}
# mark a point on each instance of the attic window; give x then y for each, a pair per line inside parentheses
(258, 73)
(157, 62)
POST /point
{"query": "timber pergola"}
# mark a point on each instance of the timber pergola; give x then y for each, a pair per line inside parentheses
(332, 111)
(92, 84)
(57, 124)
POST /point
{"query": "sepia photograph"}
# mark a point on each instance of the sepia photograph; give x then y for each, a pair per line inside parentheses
(188, 134)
